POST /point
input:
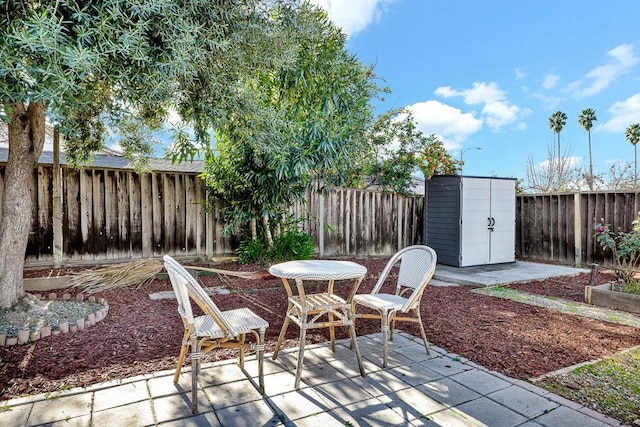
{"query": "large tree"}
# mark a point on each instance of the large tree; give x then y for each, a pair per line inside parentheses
(86, 65)
(586, 119)
(633, 136)
(308, 128)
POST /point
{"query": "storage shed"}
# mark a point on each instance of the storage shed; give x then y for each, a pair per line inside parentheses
(470, 220)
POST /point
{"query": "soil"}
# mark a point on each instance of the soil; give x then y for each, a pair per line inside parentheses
(141, 336)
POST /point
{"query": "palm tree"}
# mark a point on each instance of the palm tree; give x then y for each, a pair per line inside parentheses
(556, 123)
(586, 119)
(633, 136)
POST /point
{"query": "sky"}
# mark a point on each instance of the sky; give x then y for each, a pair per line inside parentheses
(490, 73)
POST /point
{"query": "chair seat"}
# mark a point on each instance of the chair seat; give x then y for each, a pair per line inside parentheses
(241, 321)
(380, 301)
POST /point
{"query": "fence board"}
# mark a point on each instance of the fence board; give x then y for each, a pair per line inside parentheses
(139, 198)
(142, 217)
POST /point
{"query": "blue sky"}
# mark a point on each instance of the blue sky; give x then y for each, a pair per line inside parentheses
(490, 73)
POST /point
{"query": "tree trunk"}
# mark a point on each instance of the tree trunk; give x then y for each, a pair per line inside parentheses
(267, 230)
(26, 139)
(590, 164)
(254, 229)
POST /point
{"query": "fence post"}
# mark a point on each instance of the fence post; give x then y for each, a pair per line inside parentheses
(209, 227)
(57, 201)
(577, 228)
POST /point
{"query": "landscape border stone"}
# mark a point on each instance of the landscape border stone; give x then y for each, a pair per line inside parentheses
(26, 336)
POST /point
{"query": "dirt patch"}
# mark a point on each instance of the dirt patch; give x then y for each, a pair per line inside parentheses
(566, 287)
(141, 336)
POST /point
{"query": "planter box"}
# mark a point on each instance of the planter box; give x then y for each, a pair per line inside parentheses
(604, 296)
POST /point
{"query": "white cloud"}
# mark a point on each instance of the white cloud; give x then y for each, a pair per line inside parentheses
(550, 81)
(497, 109)
(449, 123)
(520, 74)
(551, 101)
(623, 113)
(353, 16)
(622, 58)
(571, 161)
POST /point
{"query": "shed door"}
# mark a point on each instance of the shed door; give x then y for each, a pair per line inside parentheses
(503, 214)
(476, 207)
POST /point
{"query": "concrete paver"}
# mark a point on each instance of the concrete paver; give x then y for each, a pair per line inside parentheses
(448, 392)
(479, 381)
(524, 401)
(491, 413)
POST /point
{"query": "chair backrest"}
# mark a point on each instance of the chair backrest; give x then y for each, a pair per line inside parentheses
(417, 265)
(185, 286)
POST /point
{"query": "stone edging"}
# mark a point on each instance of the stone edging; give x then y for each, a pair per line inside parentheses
(26, 336)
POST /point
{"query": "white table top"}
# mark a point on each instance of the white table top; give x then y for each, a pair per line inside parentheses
(318, 270)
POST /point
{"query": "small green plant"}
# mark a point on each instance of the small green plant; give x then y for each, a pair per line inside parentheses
(288, 244)
(5, 408)
(625, 247)
(56, 394)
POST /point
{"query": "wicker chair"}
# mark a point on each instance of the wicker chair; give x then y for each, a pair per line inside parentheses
(215, 329)
(417, 265)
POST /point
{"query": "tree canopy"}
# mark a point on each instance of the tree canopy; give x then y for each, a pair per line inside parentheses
(92, 65)
(309, 125)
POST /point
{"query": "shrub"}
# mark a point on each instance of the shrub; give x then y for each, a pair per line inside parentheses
(625, 247)
(290, 244)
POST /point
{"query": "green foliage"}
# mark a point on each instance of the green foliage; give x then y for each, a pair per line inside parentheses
(399, 150)
(125, 63)
(625, 247)
(632, 134)
(290, 244)
(304, 125)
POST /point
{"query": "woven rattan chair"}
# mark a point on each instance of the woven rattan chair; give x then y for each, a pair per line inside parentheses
(417, 265)
(215, 329)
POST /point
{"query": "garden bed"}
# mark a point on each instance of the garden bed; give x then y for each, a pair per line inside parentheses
(607, 295)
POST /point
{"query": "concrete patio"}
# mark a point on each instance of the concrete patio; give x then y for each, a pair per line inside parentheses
(444, 390)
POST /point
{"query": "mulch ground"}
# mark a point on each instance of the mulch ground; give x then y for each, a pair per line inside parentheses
(141, 336)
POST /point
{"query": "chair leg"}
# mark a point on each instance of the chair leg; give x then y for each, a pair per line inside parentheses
(392, 327)
(260, 356)
(422, 332)
(303, 336)
(195, 370)
(332, 333)
(241, 339)
(354, 346)
(183, 354)
(283, 331)
(384, 318)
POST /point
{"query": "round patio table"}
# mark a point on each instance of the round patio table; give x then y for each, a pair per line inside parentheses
(319, 310)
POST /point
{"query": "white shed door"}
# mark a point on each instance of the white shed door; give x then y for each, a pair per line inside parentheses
(476, 207)
(503, 214)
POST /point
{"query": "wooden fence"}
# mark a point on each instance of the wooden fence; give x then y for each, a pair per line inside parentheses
(111, 215)
(115, 215)
(559, 227)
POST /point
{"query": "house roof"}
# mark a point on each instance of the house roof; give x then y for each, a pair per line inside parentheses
(106, 158)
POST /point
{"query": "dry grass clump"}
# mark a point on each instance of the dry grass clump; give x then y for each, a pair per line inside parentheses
(136, 273)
